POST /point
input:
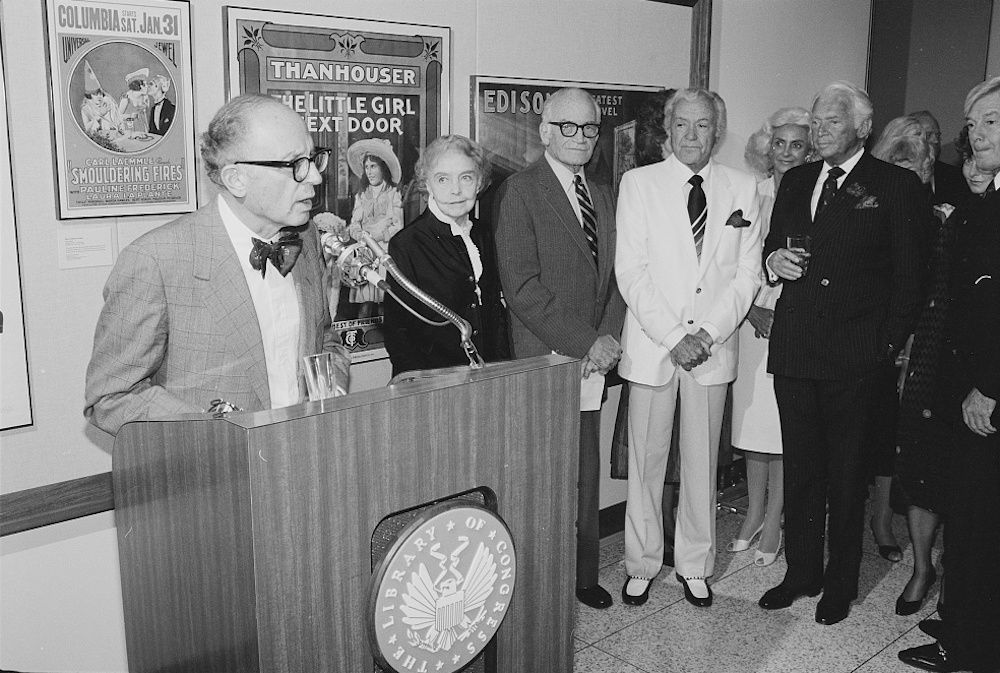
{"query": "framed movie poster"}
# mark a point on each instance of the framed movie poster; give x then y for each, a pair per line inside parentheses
(375, 93)
(507, 112)
(15, 398)
(122, 111)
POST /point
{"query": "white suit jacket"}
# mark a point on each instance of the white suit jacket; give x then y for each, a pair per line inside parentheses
(669, 292)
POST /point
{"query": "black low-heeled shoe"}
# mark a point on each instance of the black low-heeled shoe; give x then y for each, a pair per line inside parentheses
(629, 599)
(905, 607)
(890, 552)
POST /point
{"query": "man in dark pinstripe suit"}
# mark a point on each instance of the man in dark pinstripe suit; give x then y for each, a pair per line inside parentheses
(833, 326)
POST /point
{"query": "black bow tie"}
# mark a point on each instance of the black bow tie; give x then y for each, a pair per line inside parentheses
(282, 253)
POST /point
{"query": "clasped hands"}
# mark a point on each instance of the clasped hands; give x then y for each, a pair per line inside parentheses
(602, 356)
(692, 350)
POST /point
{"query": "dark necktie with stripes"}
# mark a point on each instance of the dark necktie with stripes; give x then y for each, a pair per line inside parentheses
(588, 213)
(697, 211)
(829, 190)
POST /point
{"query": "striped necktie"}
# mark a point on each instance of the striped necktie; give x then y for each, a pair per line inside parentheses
(697, 211)
(829, 190)
(588, 214)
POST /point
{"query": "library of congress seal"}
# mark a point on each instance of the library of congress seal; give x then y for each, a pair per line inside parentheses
(440, 594)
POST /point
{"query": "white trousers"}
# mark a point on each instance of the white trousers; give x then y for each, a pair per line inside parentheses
(650, 424)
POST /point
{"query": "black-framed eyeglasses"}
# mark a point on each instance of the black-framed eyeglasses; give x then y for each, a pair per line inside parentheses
(569, 129)
(300, 167)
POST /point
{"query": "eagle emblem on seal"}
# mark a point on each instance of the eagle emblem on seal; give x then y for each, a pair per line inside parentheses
(443, 610)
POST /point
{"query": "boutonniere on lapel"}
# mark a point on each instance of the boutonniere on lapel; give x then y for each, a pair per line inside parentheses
(736, 220)
(865, 200)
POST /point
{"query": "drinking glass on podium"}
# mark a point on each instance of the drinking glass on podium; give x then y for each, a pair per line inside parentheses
(801, 245)
(321, 376)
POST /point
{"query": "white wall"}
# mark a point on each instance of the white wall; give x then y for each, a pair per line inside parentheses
(993, 55)
(770, 54)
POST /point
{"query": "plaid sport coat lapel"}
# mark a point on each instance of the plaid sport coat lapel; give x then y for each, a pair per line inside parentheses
(228, 298)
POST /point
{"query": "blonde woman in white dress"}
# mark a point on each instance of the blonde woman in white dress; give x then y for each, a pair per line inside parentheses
(781, 144)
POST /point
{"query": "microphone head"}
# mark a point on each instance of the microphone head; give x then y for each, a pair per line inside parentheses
(353, 259)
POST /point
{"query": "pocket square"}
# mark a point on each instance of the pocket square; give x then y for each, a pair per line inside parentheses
(867, 202)
(736, 220)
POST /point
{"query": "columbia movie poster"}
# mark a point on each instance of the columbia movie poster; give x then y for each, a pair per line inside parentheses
(15, 399)
(375, 93)
(122, 107)
(508, 111)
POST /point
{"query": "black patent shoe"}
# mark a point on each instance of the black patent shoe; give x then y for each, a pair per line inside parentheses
(930, 657)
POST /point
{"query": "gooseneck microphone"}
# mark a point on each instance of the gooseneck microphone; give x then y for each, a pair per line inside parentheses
(359, 264)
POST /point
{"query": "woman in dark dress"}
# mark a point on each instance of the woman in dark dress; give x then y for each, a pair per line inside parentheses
(451, 258)
(920, 465)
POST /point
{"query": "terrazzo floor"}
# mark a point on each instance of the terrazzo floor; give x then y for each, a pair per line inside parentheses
(735, 635)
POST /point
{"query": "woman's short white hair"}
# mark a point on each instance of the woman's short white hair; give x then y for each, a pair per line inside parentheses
(861, 104)
(691, 95)
(758, 150)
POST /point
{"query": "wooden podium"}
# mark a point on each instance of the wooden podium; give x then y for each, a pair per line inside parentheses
(245, 542)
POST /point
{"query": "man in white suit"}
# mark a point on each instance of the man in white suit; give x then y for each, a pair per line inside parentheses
(688, 265)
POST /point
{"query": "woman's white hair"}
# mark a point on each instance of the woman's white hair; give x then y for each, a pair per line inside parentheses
(758, 150)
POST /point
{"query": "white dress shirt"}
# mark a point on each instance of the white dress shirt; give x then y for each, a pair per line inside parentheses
(567, 179)
(277, 306)
(848, 166)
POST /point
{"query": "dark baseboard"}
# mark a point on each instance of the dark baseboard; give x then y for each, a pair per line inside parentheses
(612, 519)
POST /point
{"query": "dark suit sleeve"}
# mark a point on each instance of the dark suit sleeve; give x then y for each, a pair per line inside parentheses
(548, 317)
(907, 222)
(987, 301)
(779, 225)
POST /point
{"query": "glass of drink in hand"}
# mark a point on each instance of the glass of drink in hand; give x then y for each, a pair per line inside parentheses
(801, 246)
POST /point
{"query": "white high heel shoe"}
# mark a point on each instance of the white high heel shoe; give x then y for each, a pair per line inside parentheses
(737, 544)
(765, 558)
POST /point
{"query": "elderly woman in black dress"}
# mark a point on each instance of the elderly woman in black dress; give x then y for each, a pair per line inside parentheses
(920, 465)
(450, 257)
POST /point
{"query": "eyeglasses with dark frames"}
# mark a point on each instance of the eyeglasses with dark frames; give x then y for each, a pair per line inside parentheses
(300, 167)
(569, 129)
